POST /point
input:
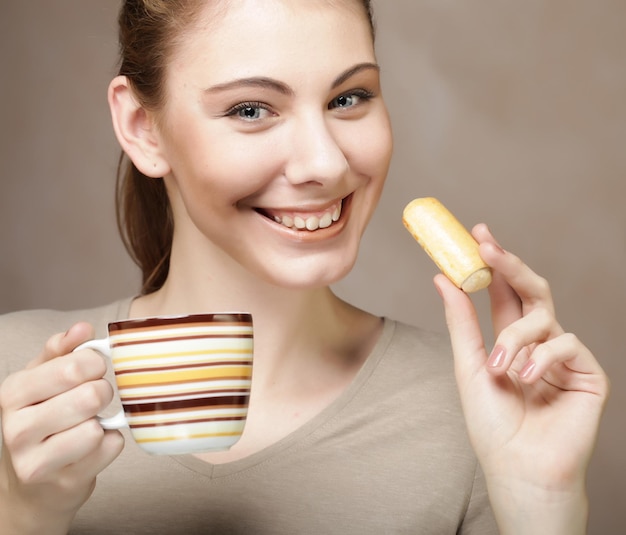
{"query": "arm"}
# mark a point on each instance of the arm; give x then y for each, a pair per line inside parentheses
(52, 446)
(532, 404)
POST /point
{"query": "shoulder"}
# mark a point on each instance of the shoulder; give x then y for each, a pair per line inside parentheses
(413, 367)
(420, 351)
(414, 379)
(23, 333)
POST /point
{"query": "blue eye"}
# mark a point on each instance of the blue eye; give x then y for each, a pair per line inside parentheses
(348, 100)
(344, 101)
(249, 111)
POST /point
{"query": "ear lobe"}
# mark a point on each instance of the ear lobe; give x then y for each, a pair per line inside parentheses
(135, 130)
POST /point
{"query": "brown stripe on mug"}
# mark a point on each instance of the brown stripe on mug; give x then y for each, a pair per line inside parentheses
(187, 404)
(223, 319)
(196, 393)
(177, 338)
(190, 421)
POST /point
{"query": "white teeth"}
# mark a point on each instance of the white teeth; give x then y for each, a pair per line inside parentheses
(326, 220)
(311, 223)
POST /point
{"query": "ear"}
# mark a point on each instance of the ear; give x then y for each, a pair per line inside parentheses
(136, 130)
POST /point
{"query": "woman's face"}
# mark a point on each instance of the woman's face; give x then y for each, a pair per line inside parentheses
(277, 138)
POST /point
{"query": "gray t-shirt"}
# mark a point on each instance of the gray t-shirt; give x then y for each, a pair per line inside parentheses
(390, 455)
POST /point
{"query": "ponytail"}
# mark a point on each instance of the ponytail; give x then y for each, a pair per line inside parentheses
(144, 219)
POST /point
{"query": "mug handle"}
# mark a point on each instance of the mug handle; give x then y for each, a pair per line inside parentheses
(102, 346)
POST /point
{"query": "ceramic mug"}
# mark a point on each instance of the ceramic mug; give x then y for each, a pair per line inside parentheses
(184, 381)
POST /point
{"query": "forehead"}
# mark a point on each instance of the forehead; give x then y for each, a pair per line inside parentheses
(253, 35)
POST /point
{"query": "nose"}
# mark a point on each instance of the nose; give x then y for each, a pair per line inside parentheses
(314, 153)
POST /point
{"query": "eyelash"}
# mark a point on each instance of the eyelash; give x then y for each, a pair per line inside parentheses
(363, 95)
(246, 105)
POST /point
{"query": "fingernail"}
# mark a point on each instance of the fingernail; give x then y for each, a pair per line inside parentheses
(528, 369)
(497, 357)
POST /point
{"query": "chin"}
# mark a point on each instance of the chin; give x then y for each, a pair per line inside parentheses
(308, 277)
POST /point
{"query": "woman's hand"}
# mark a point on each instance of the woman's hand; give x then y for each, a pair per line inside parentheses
(53, 447)
(532, 404)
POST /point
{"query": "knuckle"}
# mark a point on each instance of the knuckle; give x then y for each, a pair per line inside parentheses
(513, 335)
(90, 397)
(544, 314)
(71, 372)
(92, 363)
(52, 344)
(116, 441)
(27, 470)
(15, 434)
(81, 367)
(543, 286)
(545, 353)
(6, 392)
(10, 389)
(546, 319)
(92, 431)
(11, 437)
(571, 341)
(23, 472)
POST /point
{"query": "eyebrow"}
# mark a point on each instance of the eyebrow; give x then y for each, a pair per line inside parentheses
(256, 81)
(346, 75)
(263, 82)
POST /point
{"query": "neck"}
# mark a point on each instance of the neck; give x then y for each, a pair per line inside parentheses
(302, 326)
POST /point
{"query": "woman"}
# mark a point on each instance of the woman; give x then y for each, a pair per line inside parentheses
(260, 143)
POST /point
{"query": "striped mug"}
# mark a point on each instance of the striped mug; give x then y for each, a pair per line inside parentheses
(184, 381)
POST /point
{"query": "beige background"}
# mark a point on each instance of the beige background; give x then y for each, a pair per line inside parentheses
(512, 113)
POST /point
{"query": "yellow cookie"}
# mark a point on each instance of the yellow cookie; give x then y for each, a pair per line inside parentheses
(447, 242)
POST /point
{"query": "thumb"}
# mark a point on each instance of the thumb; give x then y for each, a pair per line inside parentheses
(63, 343)
(466, 337)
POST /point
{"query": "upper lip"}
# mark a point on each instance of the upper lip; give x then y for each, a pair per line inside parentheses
(304, 210)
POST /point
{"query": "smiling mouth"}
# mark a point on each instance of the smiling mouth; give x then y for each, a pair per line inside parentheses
(306, 221)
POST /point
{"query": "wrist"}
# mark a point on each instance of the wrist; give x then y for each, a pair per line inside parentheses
(525, 509)
(23, 520)
(19, 516)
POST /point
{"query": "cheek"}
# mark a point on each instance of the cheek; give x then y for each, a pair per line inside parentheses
(372, 148)
(220, 170)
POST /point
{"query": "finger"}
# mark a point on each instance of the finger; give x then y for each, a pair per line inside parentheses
(71, 446)
(506, 306)
(529, 286)
(532, 289)
(51, 378)
(536, 327)
(45, 462)
(98, 459)
(63, 343)
(565, 362)
(65, 411)
(482, 233)
(110, 447)
(465, 334)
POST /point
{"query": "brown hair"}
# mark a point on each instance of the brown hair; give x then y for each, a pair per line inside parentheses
(148, 33)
